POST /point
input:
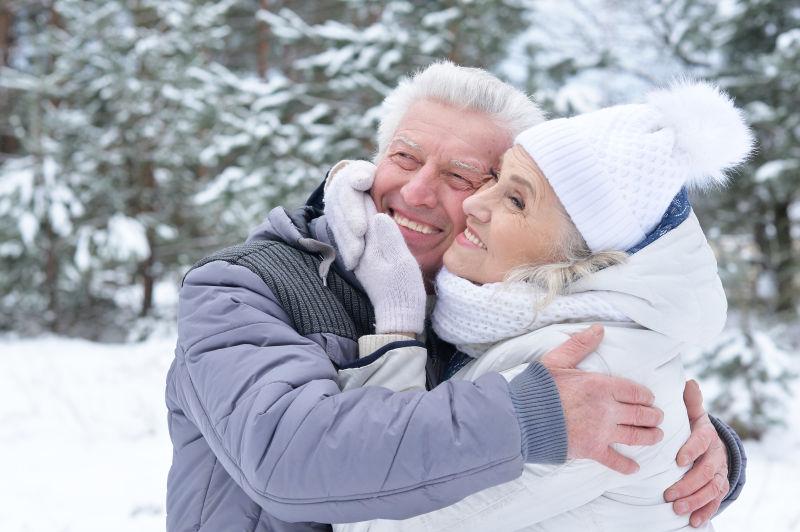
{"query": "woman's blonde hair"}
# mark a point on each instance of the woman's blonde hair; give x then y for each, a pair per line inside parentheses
(577, 261)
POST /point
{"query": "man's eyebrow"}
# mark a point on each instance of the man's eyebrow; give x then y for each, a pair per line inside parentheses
(407, 141)
(466, 166)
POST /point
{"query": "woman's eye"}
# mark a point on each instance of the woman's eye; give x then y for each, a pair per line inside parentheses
(517, 202)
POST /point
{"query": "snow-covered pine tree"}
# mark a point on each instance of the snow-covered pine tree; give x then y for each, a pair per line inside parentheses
(346, 64)
(124, 119)
(762, 54)
(329, 65)
(756, 217)
(746, 377)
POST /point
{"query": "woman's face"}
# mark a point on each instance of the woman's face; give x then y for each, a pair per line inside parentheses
(512, 221)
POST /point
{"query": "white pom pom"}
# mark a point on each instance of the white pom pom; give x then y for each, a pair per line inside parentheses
(709, 130)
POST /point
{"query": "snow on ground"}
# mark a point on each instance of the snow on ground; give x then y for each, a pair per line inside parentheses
(83, 437)
(84, 444)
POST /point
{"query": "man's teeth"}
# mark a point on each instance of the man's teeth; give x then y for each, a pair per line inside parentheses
(414, 226)
(474, 239)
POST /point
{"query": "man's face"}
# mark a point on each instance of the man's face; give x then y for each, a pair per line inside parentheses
(438, 157)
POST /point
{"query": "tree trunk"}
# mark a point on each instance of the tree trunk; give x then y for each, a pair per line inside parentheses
(55, 18)
(778, 256)
(6, 18)
(8, 143)
(148, 275)
(53, 318)
(146, 204)
(263, 43)
(784, 262)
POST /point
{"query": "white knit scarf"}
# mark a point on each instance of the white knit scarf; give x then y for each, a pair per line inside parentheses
(475, 317)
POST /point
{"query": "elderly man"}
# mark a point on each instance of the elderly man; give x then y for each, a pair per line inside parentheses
(263, 437)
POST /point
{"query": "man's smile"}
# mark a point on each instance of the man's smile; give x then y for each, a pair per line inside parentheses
(414, 226)
(417, 226)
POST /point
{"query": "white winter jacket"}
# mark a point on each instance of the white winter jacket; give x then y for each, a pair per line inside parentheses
(673, 295)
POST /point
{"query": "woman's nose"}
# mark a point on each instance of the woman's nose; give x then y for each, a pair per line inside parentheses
(478, 205)
(420, 190)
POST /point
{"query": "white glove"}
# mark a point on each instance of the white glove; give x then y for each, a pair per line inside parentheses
(392, 278)
(349, 207)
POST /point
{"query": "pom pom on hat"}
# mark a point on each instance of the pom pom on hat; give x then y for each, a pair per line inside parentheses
(708, 128)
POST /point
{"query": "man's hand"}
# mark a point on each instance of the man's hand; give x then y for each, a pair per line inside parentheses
(391, 277)
(349, 207)
(599, 409)
(704, 486)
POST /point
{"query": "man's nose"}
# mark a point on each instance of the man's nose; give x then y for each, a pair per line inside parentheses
(420, 191)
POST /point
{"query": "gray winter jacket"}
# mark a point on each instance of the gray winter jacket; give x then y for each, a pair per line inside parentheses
(265, 440)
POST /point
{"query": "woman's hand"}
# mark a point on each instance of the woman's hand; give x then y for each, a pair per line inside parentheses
(349, 207)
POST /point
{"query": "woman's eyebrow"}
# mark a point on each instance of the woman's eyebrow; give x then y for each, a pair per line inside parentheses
(522, 181)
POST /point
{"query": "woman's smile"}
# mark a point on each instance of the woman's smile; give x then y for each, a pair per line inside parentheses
(515, 221)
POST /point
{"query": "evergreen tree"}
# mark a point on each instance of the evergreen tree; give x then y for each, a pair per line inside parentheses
(345, 67)
(125, 117)
(762, 54)
(746, 378)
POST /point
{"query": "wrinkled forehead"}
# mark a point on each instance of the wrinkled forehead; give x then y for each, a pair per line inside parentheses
(467, 136)
(465, 162)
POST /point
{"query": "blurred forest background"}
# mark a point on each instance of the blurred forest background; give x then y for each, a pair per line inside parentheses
(137, 136)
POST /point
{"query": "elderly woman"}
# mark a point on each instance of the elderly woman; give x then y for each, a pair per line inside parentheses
(587, 222)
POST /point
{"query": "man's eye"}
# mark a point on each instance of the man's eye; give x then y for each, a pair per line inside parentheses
(405, 160)
(460, 182)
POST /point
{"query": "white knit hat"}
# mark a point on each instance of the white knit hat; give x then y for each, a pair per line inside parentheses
(616, 170)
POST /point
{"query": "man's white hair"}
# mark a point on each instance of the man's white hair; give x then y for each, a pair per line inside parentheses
(464, 88)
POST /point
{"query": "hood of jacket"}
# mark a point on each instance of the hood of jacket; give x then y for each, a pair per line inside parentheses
(304, 228)
(671, 286)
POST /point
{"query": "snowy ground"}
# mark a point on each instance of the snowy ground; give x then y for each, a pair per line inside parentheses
(84, 445)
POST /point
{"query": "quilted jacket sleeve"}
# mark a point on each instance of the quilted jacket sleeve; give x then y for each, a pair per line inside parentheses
(267, 402)
(737, 461)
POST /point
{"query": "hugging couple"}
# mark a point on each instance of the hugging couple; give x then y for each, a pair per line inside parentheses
(482, 331)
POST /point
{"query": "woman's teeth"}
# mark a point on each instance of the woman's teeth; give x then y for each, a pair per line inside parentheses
(474, 239)
(414, 226)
